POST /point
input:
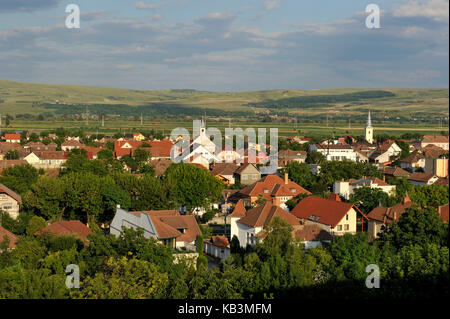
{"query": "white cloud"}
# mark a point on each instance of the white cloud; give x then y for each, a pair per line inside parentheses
(149, 6)
(272, 4)
(434, 9)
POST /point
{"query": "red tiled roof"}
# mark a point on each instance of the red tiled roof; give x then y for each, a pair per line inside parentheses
(12, 238)
(158, 148)
(442, 181)
(12, 136)
(334, 197)
(312, 232)
(11, 193)
(266, 185)
(435, 139)
(71, 143)
(420, 177)
(262, 215)
(388, 214)
(219, 241)
(67, 228)
(51, 155)
(239, 210)
(330, 212)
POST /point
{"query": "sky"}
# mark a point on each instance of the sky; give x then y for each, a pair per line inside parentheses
(226, 45)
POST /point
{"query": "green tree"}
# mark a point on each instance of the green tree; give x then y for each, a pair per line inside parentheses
(193, 186)
(36, 223)
(12, 155)
(367, 198)
(416, 227)
(19, 178)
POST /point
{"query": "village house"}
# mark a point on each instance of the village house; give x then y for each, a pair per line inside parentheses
(11, 163)
(249, 228)
(347, 188)
(422, 178)
(138, 137)
(335, 152)
(39, 146)
(157, 149)
(46, 159)
(439, 141)
(247, 174)
(394, 171)
(73, 228)
(270, 188)
(69, 145)
(217, 246)
(12, 239)
(168, 226)
(385, 152)
(336, 217)
(10, 201)
(312, 235)
(12, 138)
(288, 156)
(381, 216)
(414, 162)
(225, 172)
(5, 147)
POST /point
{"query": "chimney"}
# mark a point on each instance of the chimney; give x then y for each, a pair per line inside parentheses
(384, 178)
(286, 178)
(395, 216)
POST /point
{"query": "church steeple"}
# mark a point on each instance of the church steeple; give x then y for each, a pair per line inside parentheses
(369, 121)
(369, 130)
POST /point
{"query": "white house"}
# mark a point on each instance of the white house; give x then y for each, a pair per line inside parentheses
(347, 188)
(249, 229)
(422, 179)
(217, 246)
(168, 226)
(335, 152)
(10, 201)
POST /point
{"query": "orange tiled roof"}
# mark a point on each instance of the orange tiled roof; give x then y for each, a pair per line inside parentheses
(262, 215)
(67, 228)
(324, 211)
(12, 238)
(239, 210)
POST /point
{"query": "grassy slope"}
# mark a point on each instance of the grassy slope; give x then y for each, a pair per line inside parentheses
(18, 98)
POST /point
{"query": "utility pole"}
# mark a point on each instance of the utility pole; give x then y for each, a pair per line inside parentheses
(142, 120)
(327, 119)
(103, 120)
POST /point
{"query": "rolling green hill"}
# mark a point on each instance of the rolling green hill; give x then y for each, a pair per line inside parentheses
(25, 100)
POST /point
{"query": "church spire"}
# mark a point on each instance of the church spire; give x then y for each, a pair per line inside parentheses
(369, 121)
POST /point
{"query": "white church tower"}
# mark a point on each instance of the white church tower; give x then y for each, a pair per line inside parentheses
(369, 130)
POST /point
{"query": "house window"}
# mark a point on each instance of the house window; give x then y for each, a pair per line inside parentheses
(3, 196)
(6, 207)
(346, 227)
(339, 227)
(346, 217)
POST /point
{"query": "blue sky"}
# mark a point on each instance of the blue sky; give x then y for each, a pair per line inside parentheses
(226, 45)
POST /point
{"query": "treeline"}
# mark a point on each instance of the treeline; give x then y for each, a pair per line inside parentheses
(321, 100)
(413, 259)
(151, 110)
(90, 190)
